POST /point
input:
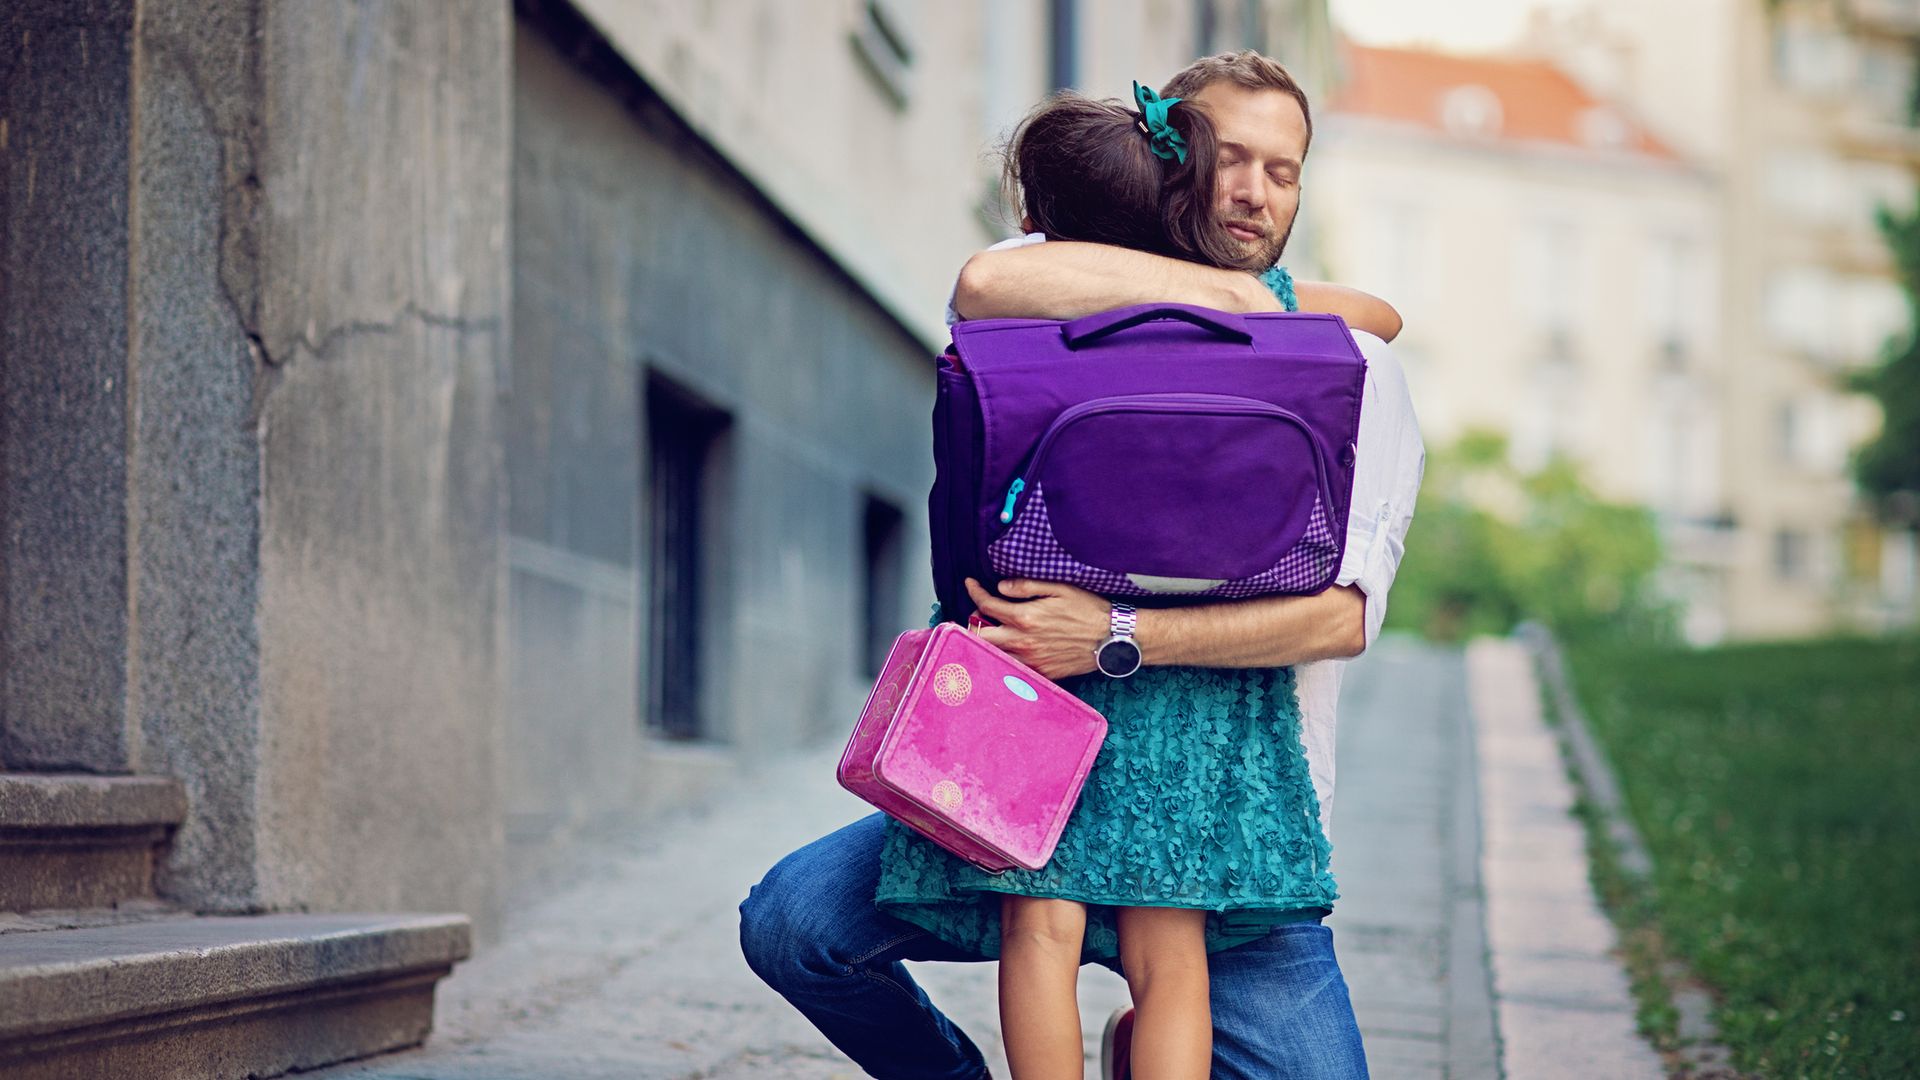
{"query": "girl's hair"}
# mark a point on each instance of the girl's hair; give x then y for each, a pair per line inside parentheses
(1082, 169)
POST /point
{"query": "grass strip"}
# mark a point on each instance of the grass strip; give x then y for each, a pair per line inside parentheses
(1777, 788)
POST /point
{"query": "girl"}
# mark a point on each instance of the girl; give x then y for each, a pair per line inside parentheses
(1198, 828)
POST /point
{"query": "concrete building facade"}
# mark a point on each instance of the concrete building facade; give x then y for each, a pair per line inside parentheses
(750, 215)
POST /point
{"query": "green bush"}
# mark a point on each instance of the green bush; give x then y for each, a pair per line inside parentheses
(1491, 546)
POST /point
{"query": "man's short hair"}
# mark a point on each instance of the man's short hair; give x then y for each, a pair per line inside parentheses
(1247, 68)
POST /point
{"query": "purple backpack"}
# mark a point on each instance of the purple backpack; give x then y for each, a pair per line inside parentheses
(1161, 450)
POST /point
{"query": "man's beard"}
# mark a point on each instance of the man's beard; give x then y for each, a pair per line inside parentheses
(1264, 252)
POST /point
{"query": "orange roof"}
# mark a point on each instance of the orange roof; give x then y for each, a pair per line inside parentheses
(1538, 102)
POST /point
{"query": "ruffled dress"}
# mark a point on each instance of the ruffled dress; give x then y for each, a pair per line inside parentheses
(1200, 798)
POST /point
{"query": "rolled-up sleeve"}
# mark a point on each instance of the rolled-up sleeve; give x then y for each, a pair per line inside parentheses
(1389, 460)
(953, 315)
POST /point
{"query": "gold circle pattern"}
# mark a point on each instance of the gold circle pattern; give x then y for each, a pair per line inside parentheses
(952, 684)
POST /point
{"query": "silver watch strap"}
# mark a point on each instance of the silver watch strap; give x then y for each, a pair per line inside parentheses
(1122, 620)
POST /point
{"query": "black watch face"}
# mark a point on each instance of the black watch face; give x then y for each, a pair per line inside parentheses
(1118, 658)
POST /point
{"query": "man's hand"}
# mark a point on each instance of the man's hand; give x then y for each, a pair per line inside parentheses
(1054, 628)
(1050, 627)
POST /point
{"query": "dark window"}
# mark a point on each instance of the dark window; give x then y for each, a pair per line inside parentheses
(1253, 24)
(884, 39)
(1206, 30)
(681, 431)
(1063, 44)
(1790, 562)
(880, 595)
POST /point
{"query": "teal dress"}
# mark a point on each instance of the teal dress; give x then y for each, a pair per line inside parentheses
(1200, 798)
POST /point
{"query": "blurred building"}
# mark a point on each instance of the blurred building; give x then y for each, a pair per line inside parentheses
(1793, 122)
(1803, 109)
(430, 432)
(1556, 265)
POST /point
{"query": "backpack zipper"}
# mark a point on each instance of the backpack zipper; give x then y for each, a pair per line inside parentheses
(1216, 405)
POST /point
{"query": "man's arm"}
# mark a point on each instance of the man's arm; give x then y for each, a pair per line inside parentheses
(1065, 280)
(1262, 631)
(1054, 628)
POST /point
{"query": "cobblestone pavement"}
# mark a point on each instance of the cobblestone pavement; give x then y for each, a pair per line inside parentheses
(631, 969)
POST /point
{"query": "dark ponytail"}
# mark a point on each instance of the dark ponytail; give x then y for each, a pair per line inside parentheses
(1083, 171)
(1186, 196)
(1080, 169)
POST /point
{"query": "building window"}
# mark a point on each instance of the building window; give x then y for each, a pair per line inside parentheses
(1790, 555)
(1788, 436)
(1063, 44)
(682, 432)
(883, 38)
(1472, 112)
(1253, 24)
(1206, 28)
(1546, 279)
(883, 572)
(1547, 426)
(1811, 59)
(1885, 81)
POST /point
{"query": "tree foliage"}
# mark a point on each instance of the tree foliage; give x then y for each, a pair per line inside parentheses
(1888, 467)
(1491, 546)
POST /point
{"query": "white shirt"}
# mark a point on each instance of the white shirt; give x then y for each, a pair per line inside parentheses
(1389, 460)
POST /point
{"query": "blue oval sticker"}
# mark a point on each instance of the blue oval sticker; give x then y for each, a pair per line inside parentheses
(1021, 687)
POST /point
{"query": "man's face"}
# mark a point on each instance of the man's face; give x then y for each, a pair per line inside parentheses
(1263, 141)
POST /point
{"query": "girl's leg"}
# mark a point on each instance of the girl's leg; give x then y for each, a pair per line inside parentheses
(1039, 967)
(1163, 953)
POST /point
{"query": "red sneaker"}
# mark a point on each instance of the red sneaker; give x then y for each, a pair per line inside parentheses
(1116, 1047)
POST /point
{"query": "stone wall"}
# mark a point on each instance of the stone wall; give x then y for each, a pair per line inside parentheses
(301, 506)
(64, 384)
(639, 254)
(255, 310)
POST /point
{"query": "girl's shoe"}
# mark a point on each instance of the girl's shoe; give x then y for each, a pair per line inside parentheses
(1116, 1047)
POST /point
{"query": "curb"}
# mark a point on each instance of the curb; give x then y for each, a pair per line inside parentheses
(1562, 1000)
(1473, 1030)
(1700, 1055)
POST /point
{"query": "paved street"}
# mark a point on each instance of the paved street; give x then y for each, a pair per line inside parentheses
(1408, 924)
(630, 969)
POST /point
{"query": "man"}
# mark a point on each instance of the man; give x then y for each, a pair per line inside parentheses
(1280, 1004)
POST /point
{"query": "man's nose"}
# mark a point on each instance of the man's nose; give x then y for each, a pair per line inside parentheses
(1249, 193)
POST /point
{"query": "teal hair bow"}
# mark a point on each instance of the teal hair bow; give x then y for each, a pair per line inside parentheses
(1164, 140)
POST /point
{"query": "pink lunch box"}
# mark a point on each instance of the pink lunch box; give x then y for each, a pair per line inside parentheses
(972, 749)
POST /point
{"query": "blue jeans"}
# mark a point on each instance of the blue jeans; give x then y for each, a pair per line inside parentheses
(1280, 1006)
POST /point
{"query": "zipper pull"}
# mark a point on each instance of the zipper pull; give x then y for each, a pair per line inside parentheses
(1006, 511)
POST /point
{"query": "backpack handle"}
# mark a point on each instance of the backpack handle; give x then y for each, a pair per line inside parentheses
(1086, 331)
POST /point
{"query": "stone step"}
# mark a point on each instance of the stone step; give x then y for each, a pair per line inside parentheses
(216, 997)
(82, 841)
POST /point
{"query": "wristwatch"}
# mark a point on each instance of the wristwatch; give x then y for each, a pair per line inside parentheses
(1119, 655)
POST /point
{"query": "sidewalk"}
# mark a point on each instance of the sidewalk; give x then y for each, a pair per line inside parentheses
(632, 971)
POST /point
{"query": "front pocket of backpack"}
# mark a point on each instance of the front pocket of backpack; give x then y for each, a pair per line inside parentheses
(1172, 493)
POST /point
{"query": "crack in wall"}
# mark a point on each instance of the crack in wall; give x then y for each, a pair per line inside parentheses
(241, 193)
(320, 345)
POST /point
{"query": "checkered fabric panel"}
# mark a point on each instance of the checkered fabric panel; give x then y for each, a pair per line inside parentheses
(1029, 549)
